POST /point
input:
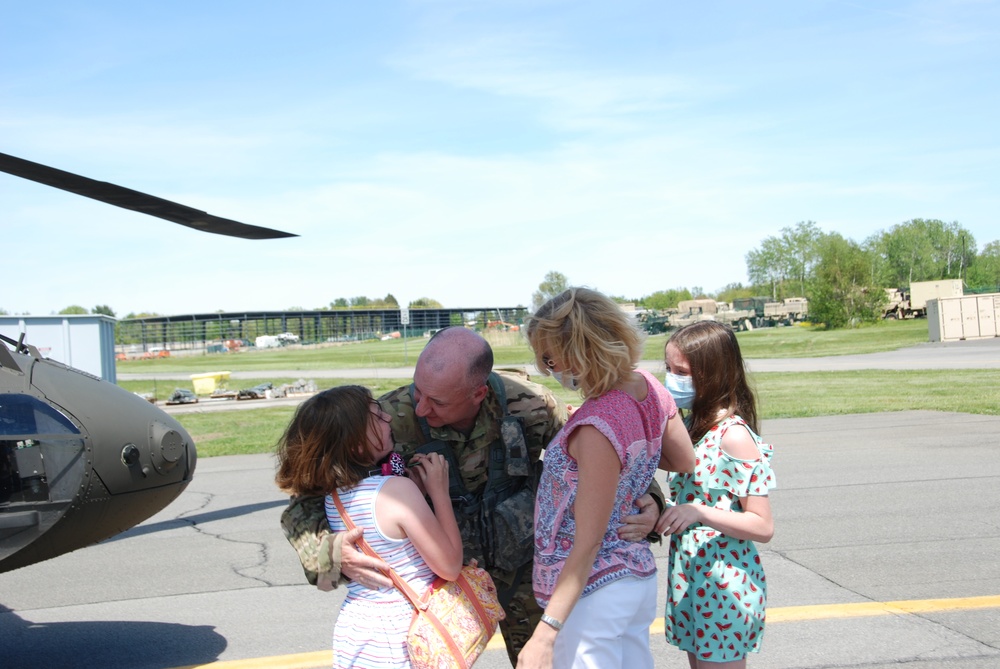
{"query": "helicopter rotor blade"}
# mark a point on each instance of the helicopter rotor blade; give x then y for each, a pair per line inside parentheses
(134, 200)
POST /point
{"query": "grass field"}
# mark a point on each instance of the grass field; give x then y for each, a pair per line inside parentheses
(780, 395)
(510, 348)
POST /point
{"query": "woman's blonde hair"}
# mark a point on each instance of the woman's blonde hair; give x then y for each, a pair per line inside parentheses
(590, 336)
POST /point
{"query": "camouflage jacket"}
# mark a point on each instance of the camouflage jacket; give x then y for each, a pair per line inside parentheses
(541, 414)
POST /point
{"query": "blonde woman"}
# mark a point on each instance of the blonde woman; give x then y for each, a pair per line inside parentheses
(598, 591)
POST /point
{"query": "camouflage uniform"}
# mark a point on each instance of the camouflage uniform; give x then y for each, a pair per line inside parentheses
(541, 416)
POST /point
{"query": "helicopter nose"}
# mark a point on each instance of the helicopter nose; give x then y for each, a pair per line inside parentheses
(167, 446)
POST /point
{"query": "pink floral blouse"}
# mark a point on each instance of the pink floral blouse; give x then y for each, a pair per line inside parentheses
(635, 430)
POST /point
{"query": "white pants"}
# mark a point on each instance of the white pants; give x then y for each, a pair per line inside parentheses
(609, 628)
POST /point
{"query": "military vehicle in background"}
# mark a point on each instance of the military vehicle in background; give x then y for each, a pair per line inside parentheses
(912, 303)
(692, 311)
(767, 313)
(789, 311)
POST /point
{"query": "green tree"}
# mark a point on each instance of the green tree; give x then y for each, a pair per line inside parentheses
(841, 292)
(390, 300)
(74, 309)
(103, 309)
(766, 266)
(984, 270)
(665, 299)
(735, 291)
(425, 303)
(921, 250)
(784, 264)
(360, 301)
(340, 303)
(553, 284)
(801, 244)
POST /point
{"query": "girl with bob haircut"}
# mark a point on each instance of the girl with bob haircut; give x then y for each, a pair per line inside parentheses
(717, 595)
(598, 591)
(340, 440)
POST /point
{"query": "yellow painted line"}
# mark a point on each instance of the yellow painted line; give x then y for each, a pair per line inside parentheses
(861, 609)
(777, 615)
(323, 658)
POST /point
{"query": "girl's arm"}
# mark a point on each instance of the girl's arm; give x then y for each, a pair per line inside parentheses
(434, 533)
(677, 452)
(599, 472)
(755, 523)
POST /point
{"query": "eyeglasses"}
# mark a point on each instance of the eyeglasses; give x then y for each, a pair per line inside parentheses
(381, 415)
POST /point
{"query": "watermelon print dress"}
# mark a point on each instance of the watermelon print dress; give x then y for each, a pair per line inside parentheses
(717, 594)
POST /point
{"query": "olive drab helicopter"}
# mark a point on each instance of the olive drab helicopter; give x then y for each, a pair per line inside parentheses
(82, 459)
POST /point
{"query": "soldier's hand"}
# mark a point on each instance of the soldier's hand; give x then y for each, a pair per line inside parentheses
(637, 526)
(361, 568)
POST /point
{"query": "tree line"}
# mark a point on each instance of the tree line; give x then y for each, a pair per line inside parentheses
(843, 280)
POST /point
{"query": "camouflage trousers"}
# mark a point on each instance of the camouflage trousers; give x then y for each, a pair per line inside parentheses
(523, 612)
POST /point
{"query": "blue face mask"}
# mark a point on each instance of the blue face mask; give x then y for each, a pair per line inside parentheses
(681, 388)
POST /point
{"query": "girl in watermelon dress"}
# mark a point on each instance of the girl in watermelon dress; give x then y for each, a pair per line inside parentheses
(717, 595)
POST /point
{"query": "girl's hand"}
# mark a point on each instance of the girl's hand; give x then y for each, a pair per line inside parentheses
(431, 471)
(675, 519)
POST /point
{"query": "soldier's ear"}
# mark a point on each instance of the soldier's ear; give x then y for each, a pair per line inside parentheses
(479, 394)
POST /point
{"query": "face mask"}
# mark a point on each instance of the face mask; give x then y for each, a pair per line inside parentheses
(681, 388)
(566, 380)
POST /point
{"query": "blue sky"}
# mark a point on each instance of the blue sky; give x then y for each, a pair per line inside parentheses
(462, 150)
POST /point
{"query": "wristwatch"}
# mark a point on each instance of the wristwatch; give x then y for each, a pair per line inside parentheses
(552, 622)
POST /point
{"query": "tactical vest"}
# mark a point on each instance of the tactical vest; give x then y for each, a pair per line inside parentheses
(497, 523)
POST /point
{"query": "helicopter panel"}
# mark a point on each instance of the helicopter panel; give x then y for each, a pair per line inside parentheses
(69, 479)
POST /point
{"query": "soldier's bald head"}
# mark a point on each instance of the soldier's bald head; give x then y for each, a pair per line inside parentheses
(459, 352)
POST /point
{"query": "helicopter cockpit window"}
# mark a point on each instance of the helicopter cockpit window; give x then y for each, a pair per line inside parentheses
(27, 415)
(38, 447)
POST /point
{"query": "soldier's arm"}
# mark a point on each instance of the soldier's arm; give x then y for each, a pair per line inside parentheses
(319, 549)
(637, 526)
(328, 558)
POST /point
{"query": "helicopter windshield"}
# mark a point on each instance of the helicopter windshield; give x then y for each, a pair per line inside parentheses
(28, 416)
(37, 444)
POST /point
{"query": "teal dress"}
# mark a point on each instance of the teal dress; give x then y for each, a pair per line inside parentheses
(717, 594)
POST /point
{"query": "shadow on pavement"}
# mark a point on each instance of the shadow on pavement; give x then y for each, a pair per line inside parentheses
(116, 644)
(198, 519)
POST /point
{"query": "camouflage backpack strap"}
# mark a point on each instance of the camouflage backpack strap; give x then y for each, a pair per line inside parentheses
(511, 432)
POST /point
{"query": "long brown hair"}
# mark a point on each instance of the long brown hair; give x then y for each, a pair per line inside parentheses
(719, 376)
(325, 446)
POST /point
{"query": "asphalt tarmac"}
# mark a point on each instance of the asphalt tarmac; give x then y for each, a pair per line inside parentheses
(885, 555)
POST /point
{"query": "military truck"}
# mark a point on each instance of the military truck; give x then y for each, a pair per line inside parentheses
(922, 291)
(912, 303)
(692, 311)
(897, 304)
(790, 310)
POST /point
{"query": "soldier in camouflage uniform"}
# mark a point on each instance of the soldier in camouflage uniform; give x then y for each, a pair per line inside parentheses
(454, 399)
